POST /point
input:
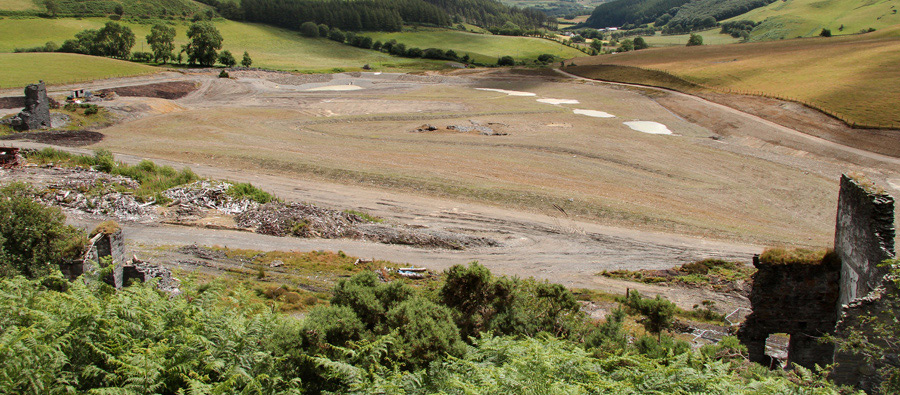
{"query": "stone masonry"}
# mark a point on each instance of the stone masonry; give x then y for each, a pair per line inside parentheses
(36, 114)
(810, 300)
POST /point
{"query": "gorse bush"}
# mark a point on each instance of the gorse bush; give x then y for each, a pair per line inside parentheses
(217, 338)
(33, 238)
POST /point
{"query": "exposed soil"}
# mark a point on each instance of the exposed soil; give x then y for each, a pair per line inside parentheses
(557, 248)
(163, 90)
(813, 122)
(65, 138)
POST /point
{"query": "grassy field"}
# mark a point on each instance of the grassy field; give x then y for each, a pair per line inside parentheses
(710, 37)
(853, 77)
(19, 5)
(270, 47)
(806, 18)
(481, 47)
(55, 68)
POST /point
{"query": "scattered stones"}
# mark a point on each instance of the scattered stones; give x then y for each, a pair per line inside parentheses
(425, 128)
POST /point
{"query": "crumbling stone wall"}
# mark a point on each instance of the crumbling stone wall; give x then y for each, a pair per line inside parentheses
(852, 369)
(797, 299)
(863, 238)
(101, 248)
(36, 114)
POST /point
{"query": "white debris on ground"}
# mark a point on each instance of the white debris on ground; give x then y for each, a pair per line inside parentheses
(594, 113)
(210, 195)
(96, 193)
(510, 93)
(648, 127)
(558, 101)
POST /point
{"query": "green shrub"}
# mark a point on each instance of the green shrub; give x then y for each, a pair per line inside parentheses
(331, 325)
(506, 61)
(426, 332)
(245, 190)
(33, 238)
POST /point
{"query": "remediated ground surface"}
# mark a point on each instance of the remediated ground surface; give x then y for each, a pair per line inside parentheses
(487, 153)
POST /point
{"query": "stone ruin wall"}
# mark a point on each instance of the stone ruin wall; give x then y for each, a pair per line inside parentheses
(796, 299)
(863, 238)
(36, 114)
(808, 301)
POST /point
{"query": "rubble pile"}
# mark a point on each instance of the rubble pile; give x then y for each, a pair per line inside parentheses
(208, 194)
(299, 219)
(306, 220)
(122, 206)
(95, 192)
(480, 128)
(418, 238)
(147, 271)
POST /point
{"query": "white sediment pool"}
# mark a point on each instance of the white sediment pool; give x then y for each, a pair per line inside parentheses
(558, 101)
(648, 127)
(594, 113)
(337, 88)
(511, 93)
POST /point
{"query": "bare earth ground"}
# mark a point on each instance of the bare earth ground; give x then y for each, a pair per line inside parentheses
(722, 186)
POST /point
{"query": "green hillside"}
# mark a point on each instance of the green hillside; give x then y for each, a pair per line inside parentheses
(270, 47)
(806, 18)
(129, 8)
(20, 69)
(19, 5)
(481, 47)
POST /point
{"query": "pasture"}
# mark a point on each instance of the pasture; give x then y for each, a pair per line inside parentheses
(806, 18)
(854, 77)
(270, 47)
(21, 69)
(481, 47)
(710, 37)
(19, 5)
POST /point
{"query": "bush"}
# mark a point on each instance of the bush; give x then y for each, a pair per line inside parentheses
(506, 61)
(659, 313)
(227, 59)
(309, 29)
(640, 43)
(144, 57)
(336, 35)
(546, 58)
(695, 40)
(33, 238)
(825, 33)
(426, 332)
(224, 74)
(330, 325)
(245, 190)
(323, 30)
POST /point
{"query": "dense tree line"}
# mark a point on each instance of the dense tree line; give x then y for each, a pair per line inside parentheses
(372, 15)
(389, 15)
(670, 16)
(491, 13)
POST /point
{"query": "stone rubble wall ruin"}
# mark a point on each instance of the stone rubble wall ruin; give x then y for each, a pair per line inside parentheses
(863, 238)
(36, 114)
(109, 249)
(808, 301)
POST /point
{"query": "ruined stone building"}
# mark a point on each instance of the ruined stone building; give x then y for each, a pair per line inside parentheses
(811, 299)
(107, 249)
(36, 114)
